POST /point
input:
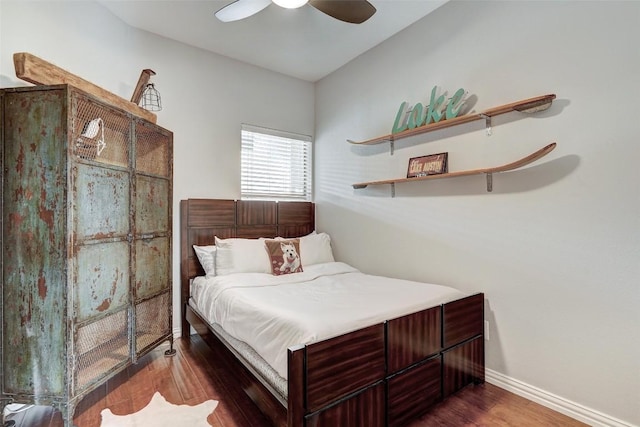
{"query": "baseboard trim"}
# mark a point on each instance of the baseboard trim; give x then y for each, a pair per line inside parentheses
(550, 400)
(564, 406)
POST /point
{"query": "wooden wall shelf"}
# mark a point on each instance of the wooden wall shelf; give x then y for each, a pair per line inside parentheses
(488, 171)
(530, 105)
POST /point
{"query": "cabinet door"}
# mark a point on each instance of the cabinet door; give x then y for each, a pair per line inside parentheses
(154, 150)
(101, 348)
(101, 265)
(152, 206)
(99, 133)
(152, 271)
(102, 280)
(153, 321)
(153, 185)
(101, 202)
(152, 235)
(100, 199)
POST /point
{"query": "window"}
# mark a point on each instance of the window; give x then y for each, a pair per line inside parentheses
(275, 165)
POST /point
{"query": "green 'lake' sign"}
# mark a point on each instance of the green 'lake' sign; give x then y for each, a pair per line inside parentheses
(438, 108)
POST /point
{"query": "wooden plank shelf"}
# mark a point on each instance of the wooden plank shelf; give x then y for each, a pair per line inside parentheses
(35, 70)
(530, 105)
(488, 171)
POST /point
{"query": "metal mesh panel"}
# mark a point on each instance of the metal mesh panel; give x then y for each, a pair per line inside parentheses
(155, 255)
(100, 347)
(153, 322)
(99, 133)
(153, 154)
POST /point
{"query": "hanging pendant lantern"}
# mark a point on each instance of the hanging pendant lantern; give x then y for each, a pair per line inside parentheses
(151, 98)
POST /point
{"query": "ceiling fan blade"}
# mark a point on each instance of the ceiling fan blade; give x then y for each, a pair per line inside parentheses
(352, 11)
(241, 9)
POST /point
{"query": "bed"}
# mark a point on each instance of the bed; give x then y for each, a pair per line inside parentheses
(389, 372)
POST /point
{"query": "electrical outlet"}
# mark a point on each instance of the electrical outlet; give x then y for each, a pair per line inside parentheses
(486, 330)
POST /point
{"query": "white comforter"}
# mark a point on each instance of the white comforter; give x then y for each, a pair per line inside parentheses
(272, 313)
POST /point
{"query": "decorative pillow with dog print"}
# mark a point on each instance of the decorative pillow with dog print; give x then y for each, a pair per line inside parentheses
(284, 256)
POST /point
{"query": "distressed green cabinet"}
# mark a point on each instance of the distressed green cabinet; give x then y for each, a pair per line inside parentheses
(86, 243)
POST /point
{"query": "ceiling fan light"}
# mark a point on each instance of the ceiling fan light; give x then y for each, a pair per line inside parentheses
(290, 4)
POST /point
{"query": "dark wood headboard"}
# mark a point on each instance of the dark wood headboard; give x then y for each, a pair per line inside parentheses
(203, 219)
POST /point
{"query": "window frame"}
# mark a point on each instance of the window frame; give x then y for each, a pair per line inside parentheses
(296, 185)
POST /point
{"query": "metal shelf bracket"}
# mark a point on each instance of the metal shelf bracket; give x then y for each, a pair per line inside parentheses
(489, 182)
(487, 124)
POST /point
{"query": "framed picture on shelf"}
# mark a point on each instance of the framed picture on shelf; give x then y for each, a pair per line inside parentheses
(432, 164)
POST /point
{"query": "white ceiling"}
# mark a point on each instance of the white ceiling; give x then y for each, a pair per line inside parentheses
(303, 43)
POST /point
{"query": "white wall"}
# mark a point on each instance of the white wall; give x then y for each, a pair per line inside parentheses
(555, 247)
(205, 96)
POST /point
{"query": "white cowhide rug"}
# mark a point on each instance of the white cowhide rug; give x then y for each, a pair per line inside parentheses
(160, 413)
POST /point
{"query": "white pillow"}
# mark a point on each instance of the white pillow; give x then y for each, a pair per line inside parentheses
(241, 256)
(316, 249)
(207, 257)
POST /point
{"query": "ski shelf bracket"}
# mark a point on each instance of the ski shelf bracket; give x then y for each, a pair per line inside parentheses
(487, 124)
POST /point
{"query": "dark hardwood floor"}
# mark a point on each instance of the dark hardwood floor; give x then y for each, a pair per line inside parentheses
(193, 376)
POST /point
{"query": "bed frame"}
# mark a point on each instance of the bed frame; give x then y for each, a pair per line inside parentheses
(387, 374)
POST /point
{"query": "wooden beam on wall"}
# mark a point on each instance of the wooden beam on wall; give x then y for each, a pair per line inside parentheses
(142, 83)
(35, 70)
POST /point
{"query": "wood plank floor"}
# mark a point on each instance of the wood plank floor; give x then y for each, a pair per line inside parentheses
(192, 376)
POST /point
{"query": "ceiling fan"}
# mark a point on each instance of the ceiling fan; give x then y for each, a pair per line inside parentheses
(352, 11)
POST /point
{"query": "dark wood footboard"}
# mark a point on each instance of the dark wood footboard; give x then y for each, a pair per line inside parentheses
(387, 374)
(390, 373)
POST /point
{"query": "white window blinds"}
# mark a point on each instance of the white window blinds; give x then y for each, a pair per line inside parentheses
(275, 165)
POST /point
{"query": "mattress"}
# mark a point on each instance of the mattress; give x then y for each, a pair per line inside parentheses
(271, 313)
